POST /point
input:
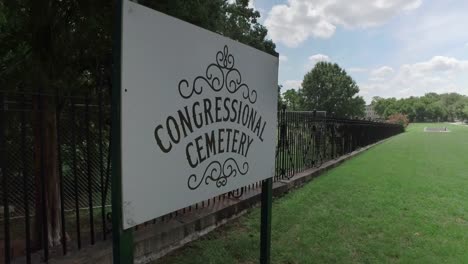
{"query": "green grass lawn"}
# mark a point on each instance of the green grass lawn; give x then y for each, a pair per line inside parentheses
(403, 201)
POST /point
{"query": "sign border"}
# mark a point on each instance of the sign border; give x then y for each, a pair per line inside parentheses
(122, 239)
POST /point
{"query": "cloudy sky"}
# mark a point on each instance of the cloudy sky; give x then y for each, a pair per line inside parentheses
(392, 48)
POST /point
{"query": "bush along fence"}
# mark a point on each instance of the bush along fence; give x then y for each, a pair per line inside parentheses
(55, 167)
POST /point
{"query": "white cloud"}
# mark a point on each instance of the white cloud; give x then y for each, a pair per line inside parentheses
(314, 59)
(466, 44)
(440, 64)
(293, 24)
(318, 58)
(291, 84)
(296, 21)
(283, 58)
(357, 70)
(381, 73)
(434, 30)
(439, 74)
(251, 3)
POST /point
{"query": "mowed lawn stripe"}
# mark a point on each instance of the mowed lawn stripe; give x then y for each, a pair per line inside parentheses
(403, 201)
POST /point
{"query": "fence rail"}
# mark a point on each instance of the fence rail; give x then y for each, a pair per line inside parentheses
(55, 167)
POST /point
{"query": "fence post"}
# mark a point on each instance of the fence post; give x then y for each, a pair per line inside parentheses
(75, 175)
(265, 228)
(101, 169)
(122, 239)
(60, 171)
(88, 168)
(24, 173)
(41, 108)
(3, 170)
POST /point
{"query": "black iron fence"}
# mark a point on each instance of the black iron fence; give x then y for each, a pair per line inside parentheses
(55, 167)
(306, 140)
(54, 161)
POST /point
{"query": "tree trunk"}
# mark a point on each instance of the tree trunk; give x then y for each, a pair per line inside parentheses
(44, 128)
(46, 168)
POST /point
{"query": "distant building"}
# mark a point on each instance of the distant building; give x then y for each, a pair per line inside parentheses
(370, 113)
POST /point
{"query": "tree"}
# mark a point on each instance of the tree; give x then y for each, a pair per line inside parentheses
(449, 102)
(327, 87)
(430, 107)
(47, 47)
(384, 107)
(280, 98)
(292, 100)
(464, 113)
(231, 19)
(70, 51)
(241, 23)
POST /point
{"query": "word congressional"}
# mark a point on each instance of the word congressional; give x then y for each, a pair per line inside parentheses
(203, 114)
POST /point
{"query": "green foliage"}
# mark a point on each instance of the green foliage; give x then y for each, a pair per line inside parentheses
(203, 13)
(14, 45)
(67, 45)
(234, 20)
(293, 100)
(327, 87)
(280, 98)
(63, 45)
(431, 107)
(241, 24)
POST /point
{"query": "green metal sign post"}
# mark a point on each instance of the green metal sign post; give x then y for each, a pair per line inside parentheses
(265, 228)
(122, 240)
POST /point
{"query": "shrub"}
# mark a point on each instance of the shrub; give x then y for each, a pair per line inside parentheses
(399, 119)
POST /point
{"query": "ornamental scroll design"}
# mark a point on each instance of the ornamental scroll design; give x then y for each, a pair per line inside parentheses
(218, 76)
(218, 173)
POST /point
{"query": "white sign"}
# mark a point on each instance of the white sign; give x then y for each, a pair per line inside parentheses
(198, 114)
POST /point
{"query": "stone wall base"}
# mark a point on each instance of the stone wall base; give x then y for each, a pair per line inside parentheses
(156, 240)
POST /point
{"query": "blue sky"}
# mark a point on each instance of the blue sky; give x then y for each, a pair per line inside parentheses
(392, 48)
